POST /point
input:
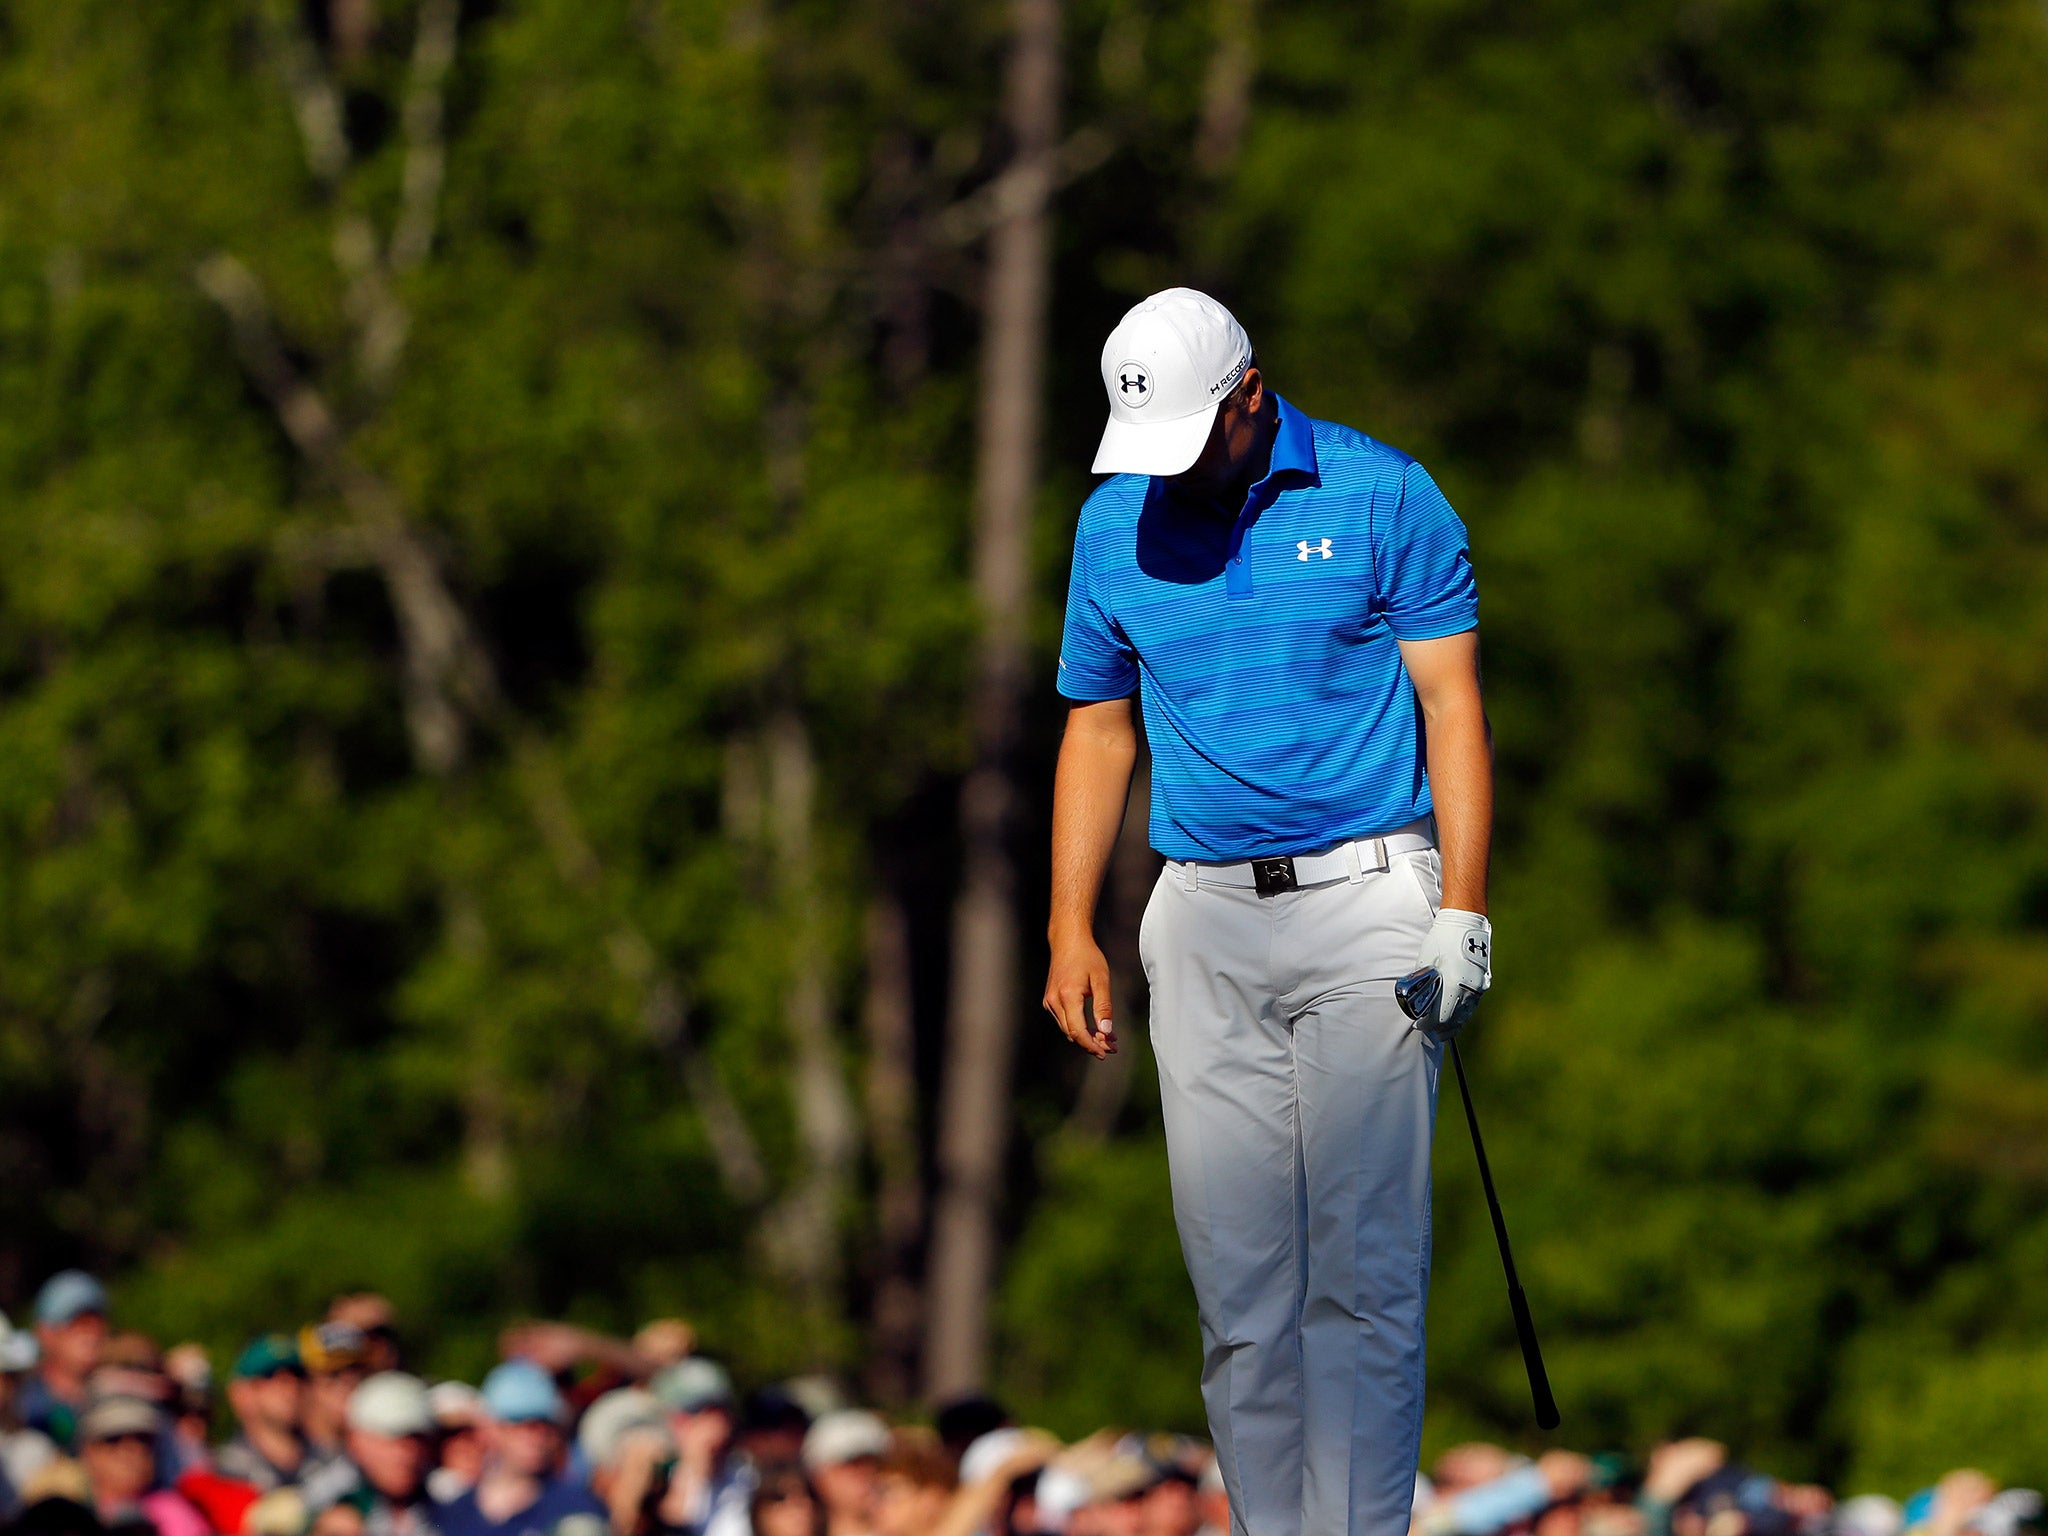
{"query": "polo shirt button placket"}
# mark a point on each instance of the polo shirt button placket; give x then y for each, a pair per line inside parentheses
(1237, 575)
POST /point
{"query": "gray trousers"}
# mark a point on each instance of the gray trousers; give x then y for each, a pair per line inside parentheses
(1299, 1106)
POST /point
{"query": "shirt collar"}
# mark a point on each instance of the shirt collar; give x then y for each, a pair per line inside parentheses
(1294, 444)
(1293, 455)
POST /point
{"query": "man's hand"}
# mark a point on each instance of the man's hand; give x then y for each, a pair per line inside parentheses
(1677, 1466)
(1459, 948)
(1089, 791)
(665, 1340)
(1959, 1495)
(1033, 1453)
(554, 1347)
(1566, 1472)
(699, 1439)
(636, 1476)
(1079, 975)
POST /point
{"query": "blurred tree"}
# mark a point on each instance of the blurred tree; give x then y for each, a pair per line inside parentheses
(565, 325)
(982, 1007)
(1946, 569)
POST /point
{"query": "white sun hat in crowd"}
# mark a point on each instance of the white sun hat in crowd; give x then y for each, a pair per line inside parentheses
(455, 1402)
(1869, 1514)
(18, 1349)
(1061, 1493)
(618, 1416)
(843, 1435)
(989, 1451)
(391, 1403)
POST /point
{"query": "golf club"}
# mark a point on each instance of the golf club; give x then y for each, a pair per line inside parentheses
(1417, 993)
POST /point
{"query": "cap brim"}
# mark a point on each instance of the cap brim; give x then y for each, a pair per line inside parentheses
(1153, 447)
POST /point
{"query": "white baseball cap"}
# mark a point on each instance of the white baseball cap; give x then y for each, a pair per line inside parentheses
(621, 1414)
(19, 1351)
(391, 1403)
(843, 1435)
(1166, 367)
(1869, 1514)
(455, 1402)
(984, 1455)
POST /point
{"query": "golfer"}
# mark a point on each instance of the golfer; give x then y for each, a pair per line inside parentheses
(1294, 604)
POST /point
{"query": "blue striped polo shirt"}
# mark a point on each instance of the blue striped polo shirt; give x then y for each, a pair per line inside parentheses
(1280, 717)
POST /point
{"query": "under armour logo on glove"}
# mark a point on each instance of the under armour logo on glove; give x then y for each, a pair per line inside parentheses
(1312, 547)
(1133, 384)
(1458, 952)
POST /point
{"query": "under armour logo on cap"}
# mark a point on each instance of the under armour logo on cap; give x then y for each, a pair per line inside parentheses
(1312, 547)
(1133, 384)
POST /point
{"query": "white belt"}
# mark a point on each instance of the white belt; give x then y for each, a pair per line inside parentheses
(1352, 860)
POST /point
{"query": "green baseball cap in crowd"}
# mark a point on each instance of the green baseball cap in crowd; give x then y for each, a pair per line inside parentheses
(691, 1385)
(266, 1355)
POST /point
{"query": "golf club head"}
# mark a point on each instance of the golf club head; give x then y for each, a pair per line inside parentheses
(1420, 994)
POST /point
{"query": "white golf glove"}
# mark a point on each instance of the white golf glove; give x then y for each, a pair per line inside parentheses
(1459, 948)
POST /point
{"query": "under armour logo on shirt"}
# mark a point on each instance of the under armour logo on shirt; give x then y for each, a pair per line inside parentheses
(1312, 547)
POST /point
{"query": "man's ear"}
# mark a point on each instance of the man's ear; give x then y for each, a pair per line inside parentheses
(1256, 400)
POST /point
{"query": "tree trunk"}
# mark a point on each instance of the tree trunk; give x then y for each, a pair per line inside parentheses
(802, 1231)
(486, 1117)
(351, 24)
(974, 1121)
(898, 1310)
(1227, 87)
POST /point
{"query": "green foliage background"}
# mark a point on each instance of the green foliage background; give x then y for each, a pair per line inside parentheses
(1720, 322)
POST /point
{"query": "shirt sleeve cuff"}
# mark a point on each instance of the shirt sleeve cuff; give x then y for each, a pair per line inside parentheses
(1435, 624)
(1088, 690)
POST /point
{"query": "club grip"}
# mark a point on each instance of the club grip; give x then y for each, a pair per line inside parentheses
(1532, 1358)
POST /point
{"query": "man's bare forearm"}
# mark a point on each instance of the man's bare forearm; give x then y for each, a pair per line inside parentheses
(1458, 750)
(1089, 792)
(1460, 755)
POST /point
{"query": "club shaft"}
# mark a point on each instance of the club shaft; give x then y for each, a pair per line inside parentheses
(1525, 1326)
(1500, 1224)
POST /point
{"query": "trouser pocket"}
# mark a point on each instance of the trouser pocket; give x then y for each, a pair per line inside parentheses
(1145, 926)
(1426, 869)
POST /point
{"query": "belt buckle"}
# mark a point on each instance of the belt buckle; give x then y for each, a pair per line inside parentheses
(1272, 876)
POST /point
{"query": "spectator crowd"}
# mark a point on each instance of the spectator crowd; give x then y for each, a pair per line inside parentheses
(575, 1433)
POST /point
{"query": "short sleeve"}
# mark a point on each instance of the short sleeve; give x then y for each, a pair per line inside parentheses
(1096, 660)
(1425, 564)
